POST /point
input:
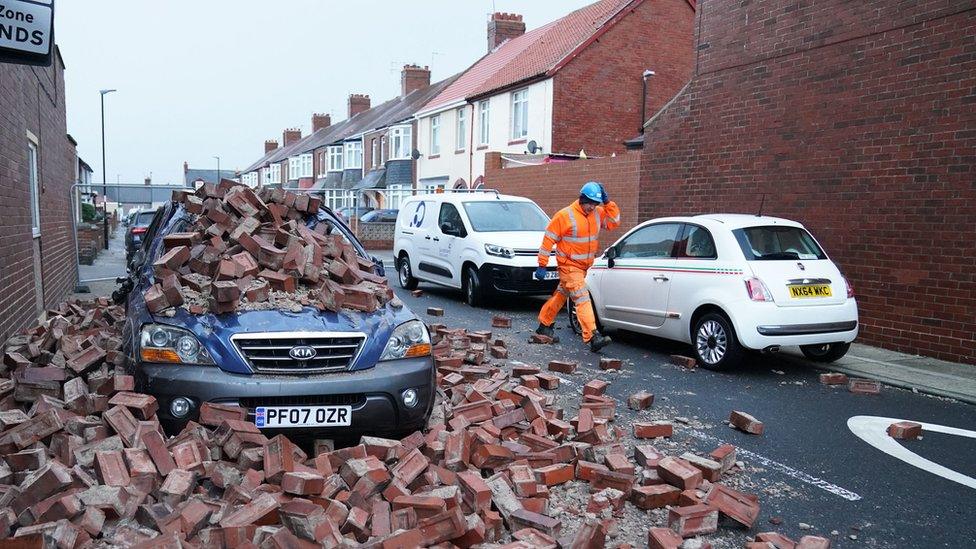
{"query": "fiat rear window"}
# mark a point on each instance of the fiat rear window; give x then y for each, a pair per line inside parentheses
(777, 243)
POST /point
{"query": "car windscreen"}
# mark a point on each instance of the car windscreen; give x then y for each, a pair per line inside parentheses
(144, 219)
(775, 242)
(497, 216)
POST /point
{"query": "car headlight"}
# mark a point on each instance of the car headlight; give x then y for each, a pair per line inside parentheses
(161, 343)
(499, 251)
(409, 339)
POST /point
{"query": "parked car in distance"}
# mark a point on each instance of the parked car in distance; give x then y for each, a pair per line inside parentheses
(483, 243)
(349, 212)
(379, 216)
(136, 231)
(726, 283)
(371, 373)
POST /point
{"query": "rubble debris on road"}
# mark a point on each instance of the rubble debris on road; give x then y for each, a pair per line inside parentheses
(247, 250)
(905, 430)
(86, 462)
(833, 378)
(684, 362)
(864, 387)
(746, 423)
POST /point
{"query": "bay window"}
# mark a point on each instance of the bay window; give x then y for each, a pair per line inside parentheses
(401, 143)
(354, 155)
(335, 158)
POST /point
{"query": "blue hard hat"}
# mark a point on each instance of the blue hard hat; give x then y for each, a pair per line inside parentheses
(592, 191)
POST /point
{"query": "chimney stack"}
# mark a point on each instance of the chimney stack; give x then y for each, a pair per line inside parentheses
(358, 103)
(148, 181)
(413, 78)
(270, 145)
(290, 135)
(502, 27)
(320, 121)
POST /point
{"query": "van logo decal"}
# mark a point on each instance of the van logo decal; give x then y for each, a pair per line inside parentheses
(302, 352)
(419, 214)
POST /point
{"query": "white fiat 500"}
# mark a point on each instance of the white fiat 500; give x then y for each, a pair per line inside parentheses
(726, 283)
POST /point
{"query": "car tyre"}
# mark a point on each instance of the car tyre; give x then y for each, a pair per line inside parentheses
(715, 343)
(405, 275)
(474, 293)
(828, 352)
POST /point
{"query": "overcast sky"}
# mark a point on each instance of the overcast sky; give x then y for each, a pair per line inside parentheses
(204, 78)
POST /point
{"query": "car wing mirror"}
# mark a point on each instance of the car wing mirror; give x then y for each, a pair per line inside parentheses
(611, 255)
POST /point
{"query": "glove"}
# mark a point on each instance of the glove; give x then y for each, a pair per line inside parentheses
(540, 273)
(605, 196)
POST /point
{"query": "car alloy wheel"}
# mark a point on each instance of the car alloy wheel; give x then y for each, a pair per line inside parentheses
(404, 276)
(711, 342)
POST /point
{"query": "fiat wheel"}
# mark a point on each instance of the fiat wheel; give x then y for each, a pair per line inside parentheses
(716, 346)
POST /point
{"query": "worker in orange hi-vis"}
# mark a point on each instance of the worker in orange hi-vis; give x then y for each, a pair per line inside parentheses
(574, 231)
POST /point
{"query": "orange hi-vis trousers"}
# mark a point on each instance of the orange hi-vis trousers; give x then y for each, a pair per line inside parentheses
(572, 285)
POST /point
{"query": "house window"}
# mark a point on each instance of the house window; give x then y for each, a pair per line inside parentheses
(461, 139)
(323, 167)
(401, 143)
(520, 113)
(483, 124)
(435, 134)
(384, 152)
(306, 161)
(337, 198)
(335, 158)
(354, 155)
(276, 174)
(294, 167)
(375, 154)
(396, 194)
(266, 175)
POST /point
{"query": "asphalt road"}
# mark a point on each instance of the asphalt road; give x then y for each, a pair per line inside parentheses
(808, 467)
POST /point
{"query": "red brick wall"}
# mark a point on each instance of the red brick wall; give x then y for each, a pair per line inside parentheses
(555, 186)
(32, 99)
(597, 95)
(859, 123)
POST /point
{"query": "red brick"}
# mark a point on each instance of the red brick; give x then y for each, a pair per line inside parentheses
(779, 541)
(724, 454)
(746, 423)
(144, 406)
(833, 378)
(813, 542)
(640, 401)
(693, 520)
(499, 321)
(679, 472)
(905, 430)
(864, 387)
(654, 497)
(562, 367)
(595, 387)
(654, 429)
(611, 364)
(278, 458)
(733, 504)
(111, 468)
(663, 538)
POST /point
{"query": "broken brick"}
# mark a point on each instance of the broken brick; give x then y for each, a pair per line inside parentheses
(746, 423)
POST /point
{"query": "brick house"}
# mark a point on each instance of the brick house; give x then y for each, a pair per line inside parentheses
(573, 84)
(37, 168)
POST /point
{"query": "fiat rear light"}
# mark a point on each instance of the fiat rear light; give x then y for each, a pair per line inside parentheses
(850, 288)
(757, 290)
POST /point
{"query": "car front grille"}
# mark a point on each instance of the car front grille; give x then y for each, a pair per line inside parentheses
(354, 400)
(269, 353)
(525, 252)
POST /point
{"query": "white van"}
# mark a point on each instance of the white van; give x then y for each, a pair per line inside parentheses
(481, 242)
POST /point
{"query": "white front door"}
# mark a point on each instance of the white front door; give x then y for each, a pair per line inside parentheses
(636, 289)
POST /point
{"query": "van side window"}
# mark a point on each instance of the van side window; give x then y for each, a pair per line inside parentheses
(450, 215)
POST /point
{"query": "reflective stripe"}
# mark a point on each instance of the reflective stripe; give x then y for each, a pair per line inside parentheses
(581, 300)
(615, 219)
(578, 293)
(544, 252)
(572, 221)
(582, 256)
(562, 290)
(581, 239)
(552, 235)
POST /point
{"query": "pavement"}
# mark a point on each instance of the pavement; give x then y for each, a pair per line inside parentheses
(100, 276)
(824, 464)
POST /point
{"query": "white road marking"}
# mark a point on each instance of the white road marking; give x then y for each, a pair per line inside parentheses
(874, 431)
(785, 469)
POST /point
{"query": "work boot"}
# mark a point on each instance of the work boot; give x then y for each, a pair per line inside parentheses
(547, 331)
(599, 341)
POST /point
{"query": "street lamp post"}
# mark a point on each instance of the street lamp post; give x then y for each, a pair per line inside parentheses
(104, 185)
(218, 169)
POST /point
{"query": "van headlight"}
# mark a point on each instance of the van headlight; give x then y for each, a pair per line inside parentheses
(408, 340)
(168, 344)
(499, 251)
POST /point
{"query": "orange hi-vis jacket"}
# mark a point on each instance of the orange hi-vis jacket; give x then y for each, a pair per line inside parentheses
(576, 235)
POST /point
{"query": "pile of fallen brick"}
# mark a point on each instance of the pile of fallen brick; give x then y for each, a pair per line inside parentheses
(86, 462)
(247, 250)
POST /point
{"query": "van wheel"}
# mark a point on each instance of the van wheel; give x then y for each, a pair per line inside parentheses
(715, 344)
(473, 291)
(827, 352)
(404, 275)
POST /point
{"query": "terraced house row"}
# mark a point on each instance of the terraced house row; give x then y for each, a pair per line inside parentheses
(575, 84)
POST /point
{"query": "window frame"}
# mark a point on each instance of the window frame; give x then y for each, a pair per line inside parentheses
(374, 160)
(461, 128)
(440, 218)
(520, 114)
(336, 154)
(305, 162)
(353, 151)
(323, 163)
(435, 135)
(34, 185)
(276, 173)
(401, 141)
(679, 252)
(484, 122)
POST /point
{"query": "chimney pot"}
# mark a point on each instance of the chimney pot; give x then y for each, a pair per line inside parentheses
(413, 78)
(358, 103)
(502, 27)
(270, 145)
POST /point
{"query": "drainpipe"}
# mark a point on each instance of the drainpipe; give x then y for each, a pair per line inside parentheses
(647, 74)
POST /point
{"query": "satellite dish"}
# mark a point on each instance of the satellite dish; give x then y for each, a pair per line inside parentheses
(533, 147)
(415, 154)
